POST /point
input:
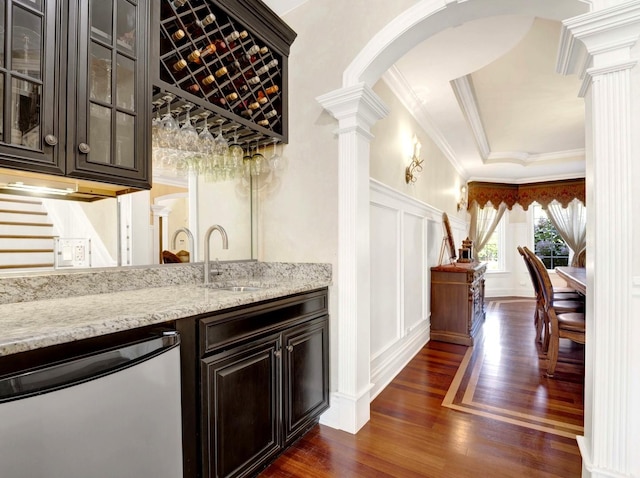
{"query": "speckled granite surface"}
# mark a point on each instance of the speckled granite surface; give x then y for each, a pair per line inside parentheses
(58, 308)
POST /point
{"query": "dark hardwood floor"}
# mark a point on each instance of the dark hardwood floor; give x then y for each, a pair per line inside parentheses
(515, 421)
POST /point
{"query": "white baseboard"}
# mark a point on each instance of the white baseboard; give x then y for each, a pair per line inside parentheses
(348, 413)
(398, 357)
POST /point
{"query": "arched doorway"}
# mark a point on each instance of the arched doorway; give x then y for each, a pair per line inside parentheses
(356, 107)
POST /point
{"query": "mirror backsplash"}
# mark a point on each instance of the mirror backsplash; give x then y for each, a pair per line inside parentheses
(44, 235)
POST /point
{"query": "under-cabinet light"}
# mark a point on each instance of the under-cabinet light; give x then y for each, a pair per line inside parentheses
(20, 186)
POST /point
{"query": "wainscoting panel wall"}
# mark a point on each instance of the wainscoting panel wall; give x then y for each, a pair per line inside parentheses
(406, 235)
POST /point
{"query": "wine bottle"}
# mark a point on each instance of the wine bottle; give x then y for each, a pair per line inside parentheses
(194, 56)
(263, 122)
(241, 37)
(231, 38)
(221, 46)
(179, 69)
(270, 114)
(170, 7)
(264, 50)
(206, 80)
(196, 29)
(221, 72)
(263, 95)
(253, 77)
(192, 88)
(245, 59)
(206, 51)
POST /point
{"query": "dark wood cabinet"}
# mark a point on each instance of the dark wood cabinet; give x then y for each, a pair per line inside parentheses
(457, 302)
(254, 379)
(241, 395)
(76, 90)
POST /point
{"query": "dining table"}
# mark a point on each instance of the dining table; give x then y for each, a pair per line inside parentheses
(576, 277)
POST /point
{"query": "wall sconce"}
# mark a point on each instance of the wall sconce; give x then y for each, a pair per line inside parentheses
(415, 167)
(462, 203)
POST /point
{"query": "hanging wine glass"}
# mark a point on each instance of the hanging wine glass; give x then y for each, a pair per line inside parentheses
(221, 149)
(168, 125)
(206, 144)
(258, 162)
(156, 123)
(236, 153)
(275, 160)
(188, 137)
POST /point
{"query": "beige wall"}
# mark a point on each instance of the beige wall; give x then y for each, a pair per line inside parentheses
(298, 215)
(438, 185)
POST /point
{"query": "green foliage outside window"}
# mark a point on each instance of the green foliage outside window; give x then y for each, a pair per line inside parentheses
(489, 252)
(549, 245)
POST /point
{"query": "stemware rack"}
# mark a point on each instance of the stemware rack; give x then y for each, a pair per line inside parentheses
(242, 82)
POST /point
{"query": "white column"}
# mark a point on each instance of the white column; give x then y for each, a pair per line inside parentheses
(605, 48)
(356, 108)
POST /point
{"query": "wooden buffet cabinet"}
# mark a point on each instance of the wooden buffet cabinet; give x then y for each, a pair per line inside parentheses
(457, 302)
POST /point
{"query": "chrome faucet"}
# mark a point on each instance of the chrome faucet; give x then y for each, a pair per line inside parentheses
(207, 247)
(189, 238)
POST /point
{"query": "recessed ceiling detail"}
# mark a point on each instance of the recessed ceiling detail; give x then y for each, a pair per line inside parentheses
(488, 94)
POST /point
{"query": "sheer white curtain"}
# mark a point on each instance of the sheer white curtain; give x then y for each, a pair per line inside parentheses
(571, 223)
(483, 222)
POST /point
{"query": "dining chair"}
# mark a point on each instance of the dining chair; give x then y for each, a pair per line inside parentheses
(563, 302)
(566, 325)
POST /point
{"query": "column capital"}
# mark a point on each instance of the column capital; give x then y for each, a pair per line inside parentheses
(355, 107)
(599, 40)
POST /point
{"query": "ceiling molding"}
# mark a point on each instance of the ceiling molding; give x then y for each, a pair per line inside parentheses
(401, 88)
(465, 93)
(463, 89)
(528, 179)
(526, 159)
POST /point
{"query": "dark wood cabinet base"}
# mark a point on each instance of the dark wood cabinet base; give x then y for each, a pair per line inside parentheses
(255, 379)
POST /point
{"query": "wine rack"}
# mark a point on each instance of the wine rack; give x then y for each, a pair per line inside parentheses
(210, 58)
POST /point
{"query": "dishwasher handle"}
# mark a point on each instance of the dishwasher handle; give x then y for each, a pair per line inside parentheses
(82, 369)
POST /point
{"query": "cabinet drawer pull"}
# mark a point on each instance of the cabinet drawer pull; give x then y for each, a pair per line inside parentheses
(289, 348)
(51, 140)
(277, 353)
(84, 148)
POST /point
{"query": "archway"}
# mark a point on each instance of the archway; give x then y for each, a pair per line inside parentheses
(356, 107)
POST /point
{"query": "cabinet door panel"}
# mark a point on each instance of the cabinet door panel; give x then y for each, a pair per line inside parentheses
(240, 405)
(110, 85)
(29, 86)
(306, 376)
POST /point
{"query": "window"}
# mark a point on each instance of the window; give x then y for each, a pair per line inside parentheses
(547, 242)
(493, 252)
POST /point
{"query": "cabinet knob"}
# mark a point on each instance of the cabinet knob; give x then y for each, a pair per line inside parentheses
(51, 140)
(289, 348)
(84, 148)
(277, 353)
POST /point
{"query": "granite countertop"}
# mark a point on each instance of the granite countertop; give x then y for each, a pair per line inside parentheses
(41, 323)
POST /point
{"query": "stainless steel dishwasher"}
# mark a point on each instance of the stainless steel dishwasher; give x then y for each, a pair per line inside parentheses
(113, 413)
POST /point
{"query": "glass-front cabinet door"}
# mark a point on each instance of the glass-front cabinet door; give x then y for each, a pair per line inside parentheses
(29, 39)
(110, 134)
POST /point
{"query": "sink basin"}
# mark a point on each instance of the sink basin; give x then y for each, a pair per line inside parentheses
(241, 288)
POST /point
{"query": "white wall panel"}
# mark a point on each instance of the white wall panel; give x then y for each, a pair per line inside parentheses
(385, 275)
(415, 284)
(405, 242)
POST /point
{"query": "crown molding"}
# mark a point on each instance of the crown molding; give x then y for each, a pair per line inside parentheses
(526, 159)
(465, 93)
(401, 88)
(537, 179)
(463, 89)
(602, 32)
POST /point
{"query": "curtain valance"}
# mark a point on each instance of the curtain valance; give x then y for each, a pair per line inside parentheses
(543, 193)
